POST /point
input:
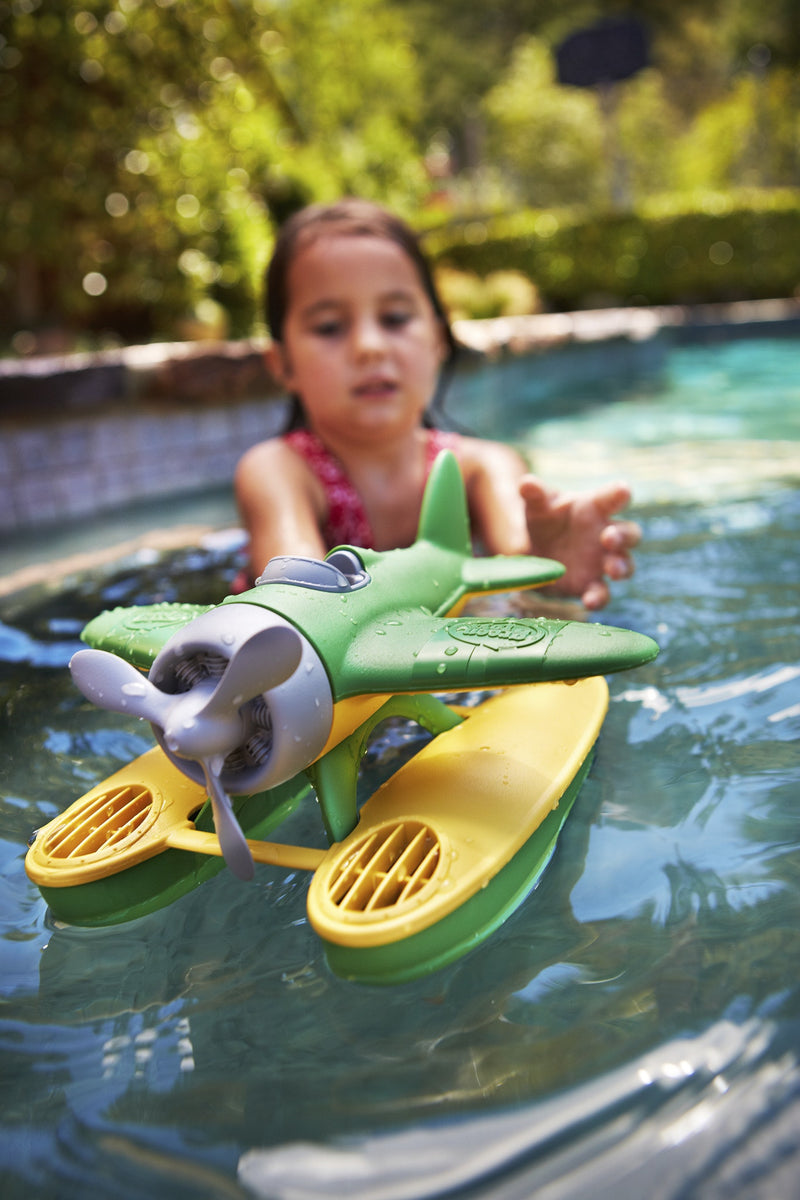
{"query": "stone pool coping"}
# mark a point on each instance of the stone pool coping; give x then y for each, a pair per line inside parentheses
(199, 373)
(547, 331)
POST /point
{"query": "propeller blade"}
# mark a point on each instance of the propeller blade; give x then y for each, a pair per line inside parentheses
(264, 661)
(112, 683)
(232, 841)
(197, 726)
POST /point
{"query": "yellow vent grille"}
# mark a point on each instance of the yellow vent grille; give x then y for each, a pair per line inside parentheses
(388, 868)
(112, 820)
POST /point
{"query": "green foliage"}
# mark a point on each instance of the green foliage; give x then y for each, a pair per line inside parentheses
(718, 248)
(649, 126)
(464, 49)
(548, 139)
(751, 135)
(150, 147)
(499, 294)
(561, 146)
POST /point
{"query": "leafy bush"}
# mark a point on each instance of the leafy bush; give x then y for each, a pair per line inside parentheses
(500, 294)
(720, 247)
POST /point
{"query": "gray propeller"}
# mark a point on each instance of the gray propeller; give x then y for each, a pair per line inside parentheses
(204, 724)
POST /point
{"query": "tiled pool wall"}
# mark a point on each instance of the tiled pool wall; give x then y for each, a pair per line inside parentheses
(81, 435)
(79, 466)
(85, 434)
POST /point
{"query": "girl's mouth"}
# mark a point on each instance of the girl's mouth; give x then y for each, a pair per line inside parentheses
(377, 389)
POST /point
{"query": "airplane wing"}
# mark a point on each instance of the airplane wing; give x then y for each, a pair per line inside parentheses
(137, 634)
(415, 652)
(508, 573)
(412, 651)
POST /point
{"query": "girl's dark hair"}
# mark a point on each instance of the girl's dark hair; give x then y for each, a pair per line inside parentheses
(350, 217)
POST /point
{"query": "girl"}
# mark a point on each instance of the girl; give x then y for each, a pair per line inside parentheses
(360, 339)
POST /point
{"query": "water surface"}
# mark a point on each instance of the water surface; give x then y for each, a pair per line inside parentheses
(632, 1030)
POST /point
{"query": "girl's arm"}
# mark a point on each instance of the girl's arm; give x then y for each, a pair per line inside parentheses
(514, 513)
(281, 504)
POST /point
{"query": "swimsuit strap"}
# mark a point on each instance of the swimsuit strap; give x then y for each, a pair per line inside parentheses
(347, 522)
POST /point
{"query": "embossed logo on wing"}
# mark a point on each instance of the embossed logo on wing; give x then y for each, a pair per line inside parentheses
(154, 616)
(502, 634)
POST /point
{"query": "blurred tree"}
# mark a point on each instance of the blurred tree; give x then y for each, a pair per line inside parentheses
(147, 149)
(547, 139)
(649, 125)
(749, 137)
(465, 49)
(473, 62)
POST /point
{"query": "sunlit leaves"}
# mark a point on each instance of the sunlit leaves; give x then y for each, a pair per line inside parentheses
(174, 135)
(157, 143)
(549, 139)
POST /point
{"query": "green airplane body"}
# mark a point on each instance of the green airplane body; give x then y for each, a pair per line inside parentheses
(282, 686)
(385, 627)
(244, 695)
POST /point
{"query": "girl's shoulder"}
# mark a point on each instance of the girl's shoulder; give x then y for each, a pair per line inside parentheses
(270, 452)
(478, 456)
(271, 465)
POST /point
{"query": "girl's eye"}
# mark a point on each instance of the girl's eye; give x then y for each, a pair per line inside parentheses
(395, 318)
(328, 329)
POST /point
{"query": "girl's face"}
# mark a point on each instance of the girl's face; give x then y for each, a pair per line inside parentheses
(362, 346)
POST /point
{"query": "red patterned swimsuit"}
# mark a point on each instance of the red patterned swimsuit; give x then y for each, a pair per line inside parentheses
(347, 523)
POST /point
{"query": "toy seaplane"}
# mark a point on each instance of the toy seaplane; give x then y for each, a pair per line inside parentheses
(280, 688)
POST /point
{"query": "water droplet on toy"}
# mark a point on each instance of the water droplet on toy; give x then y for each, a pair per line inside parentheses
(450, 650)
(190, 723)
(134, 689)
(238, 700)
(228, 639)
(309, 668)
(441, 668)
(381, 632)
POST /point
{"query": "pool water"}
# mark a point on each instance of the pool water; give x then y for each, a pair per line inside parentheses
(634, 1029)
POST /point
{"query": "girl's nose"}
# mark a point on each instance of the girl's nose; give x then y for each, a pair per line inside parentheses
(368, 337)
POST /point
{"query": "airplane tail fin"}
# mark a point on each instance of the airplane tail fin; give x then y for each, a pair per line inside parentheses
(444, 519)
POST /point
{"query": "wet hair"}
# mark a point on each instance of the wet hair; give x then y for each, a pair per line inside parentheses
(350, 217)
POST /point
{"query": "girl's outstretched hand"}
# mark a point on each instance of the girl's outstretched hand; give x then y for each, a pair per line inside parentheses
(578, 530)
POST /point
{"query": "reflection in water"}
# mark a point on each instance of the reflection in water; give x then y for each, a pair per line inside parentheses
(632, 1124)
(631, 1030)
